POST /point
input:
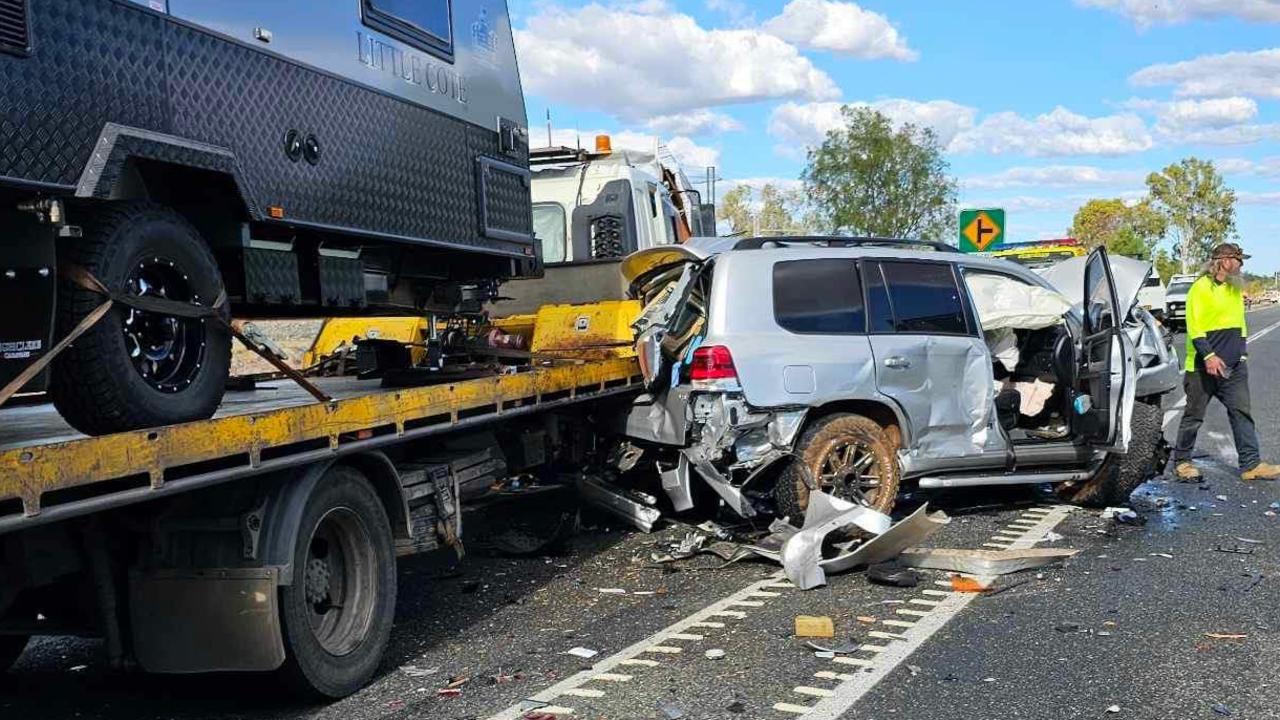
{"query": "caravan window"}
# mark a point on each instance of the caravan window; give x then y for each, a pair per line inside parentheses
(422, 23)
(549, 229)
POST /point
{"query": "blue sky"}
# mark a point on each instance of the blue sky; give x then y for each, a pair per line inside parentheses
(1042, 104)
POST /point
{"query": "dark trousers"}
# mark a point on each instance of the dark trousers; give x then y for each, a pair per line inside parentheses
(1233, 393)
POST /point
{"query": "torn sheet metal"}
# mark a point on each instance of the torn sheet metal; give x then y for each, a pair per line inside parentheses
(909, 532)
(1130, 274)
(982, 562)
(802, 553)
(617, 502)
(1005, 303)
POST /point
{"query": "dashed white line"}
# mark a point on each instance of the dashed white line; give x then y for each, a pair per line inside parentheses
(889, 657)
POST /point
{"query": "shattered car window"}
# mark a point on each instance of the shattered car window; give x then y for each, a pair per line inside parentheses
(818, 296)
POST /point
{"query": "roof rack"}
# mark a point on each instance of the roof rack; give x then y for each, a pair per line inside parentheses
(756, 243)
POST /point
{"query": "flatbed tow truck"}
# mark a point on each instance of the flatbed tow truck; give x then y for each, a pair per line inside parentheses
(265, 538)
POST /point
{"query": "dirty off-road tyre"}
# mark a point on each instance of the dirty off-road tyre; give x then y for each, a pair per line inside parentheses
(133, 369)
(11, 647)
(336, 616)
(849, 456)
(1120, 475)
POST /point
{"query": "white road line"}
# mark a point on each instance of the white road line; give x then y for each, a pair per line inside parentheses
(1258, 335)
(627, 656)
(856, 662)
(828, 675)
(683, 636)
(583, 692)
(664, 649)
(1172, 413)
(794, 709)
(812, 691)
(848, 693)
(613, 677)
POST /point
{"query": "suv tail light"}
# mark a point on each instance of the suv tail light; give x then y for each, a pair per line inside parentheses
(712, 362)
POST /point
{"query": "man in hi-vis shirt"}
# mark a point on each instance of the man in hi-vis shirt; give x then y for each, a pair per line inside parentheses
(1217, 365)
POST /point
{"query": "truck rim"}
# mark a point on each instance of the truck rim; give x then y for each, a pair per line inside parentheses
(166, 351)
(340, 581)
(850, 470)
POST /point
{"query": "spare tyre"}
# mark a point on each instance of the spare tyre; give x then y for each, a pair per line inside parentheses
(136, 369)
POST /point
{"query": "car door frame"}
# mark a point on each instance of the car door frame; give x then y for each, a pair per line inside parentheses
(923, 443)
(1104, 358)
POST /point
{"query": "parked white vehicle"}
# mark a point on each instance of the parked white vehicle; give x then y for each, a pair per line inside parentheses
(1175, 300)
(1152, 296)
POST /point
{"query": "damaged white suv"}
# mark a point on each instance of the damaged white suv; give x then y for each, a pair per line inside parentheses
(864, 366)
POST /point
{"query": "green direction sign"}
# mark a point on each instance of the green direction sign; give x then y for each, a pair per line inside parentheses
(981, 230)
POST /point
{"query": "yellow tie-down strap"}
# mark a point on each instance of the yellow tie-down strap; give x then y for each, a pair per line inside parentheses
(27, 473)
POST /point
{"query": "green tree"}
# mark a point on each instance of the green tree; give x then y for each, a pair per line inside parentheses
(1199, 207)
(1166, 265)
(1124, 229)
(870, 178)
(768, 210)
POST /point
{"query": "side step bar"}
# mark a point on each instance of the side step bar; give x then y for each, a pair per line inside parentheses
(955, 481)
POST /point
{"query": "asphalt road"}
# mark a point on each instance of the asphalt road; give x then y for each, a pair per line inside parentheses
(1126, 624)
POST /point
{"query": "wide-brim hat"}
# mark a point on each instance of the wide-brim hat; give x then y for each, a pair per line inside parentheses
(1229, 250)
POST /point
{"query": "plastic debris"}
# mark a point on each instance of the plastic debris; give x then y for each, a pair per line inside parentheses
(670, 710)
(1166, 556)
(1226, 636)
(1113, 709)
(893, 574)
(866, 619)
(983, 562)
(611, 591)
(1221, 498)
(582, 652)
(415, 671)
(1249, 541)
(842, 649)
(960, 583)
(1221, 709)
(1052, 537)
(817, 626)
(914, 670)
(713, 654)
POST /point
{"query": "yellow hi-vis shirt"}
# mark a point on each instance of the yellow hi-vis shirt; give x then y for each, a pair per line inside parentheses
(1215, 323)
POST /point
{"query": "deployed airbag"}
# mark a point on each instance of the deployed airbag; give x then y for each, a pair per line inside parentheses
(1003, 302)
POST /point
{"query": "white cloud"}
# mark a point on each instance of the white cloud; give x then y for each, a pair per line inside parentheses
(1038, 203)
(1146, 13)
(801, 125)
(637, 65)
(840, 27)
(694, 122)
(1210, 121)
(1258, 198)
(1266, 167)
(1255, 74)
(1052, 176)
(1059, 132)
(692, 156)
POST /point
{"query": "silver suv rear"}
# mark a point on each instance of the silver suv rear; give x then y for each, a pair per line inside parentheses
(862, 366)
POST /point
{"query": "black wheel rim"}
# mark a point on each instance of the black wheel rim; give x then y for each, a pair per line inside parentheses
(166, 351)
(851, 471)
(340, 581)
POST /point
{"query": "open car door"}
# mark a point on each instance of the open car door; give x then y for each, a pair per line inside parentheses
(1106, 369)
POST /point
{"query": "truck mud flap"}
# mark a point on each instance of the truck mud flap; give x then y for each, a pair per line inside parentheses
(192, 621)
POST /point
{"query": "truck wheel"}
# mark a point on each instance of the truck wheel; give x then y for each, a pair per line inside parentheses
(136, 369)
(11, 647)
(1120, 475)
(336, 616)
(848, 456)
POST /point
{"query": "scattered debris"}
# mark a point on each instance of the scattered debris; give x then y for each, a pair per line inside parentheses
(713, 654)
(893, 574)
(1221, 709)
(983, 562)
(633, 507)
(1166, 556)
(1249, 541)
(670, 710)
(1226, 636)
(1236, 550)
(866, 619)
(914, 670)
(611, 591)
(960, 583)
(1220, 498)
(415, 671)
(582, 652)
(1052, 537)
(1113, 709)
(815, 626)
(842, 649)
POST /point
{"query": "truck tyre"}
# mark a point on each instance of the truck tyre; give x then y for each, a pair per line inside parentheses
(336, 616)
(1120, 475)
(846, 455)
(11, 647)
(135, 369)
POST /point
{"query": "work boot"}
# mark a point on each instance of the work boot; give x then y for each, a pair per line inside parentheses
(1186, 472)
(1261, 471)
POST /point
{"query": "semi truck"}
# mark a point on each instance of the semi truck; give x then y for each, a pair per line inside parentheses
(191, 160)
